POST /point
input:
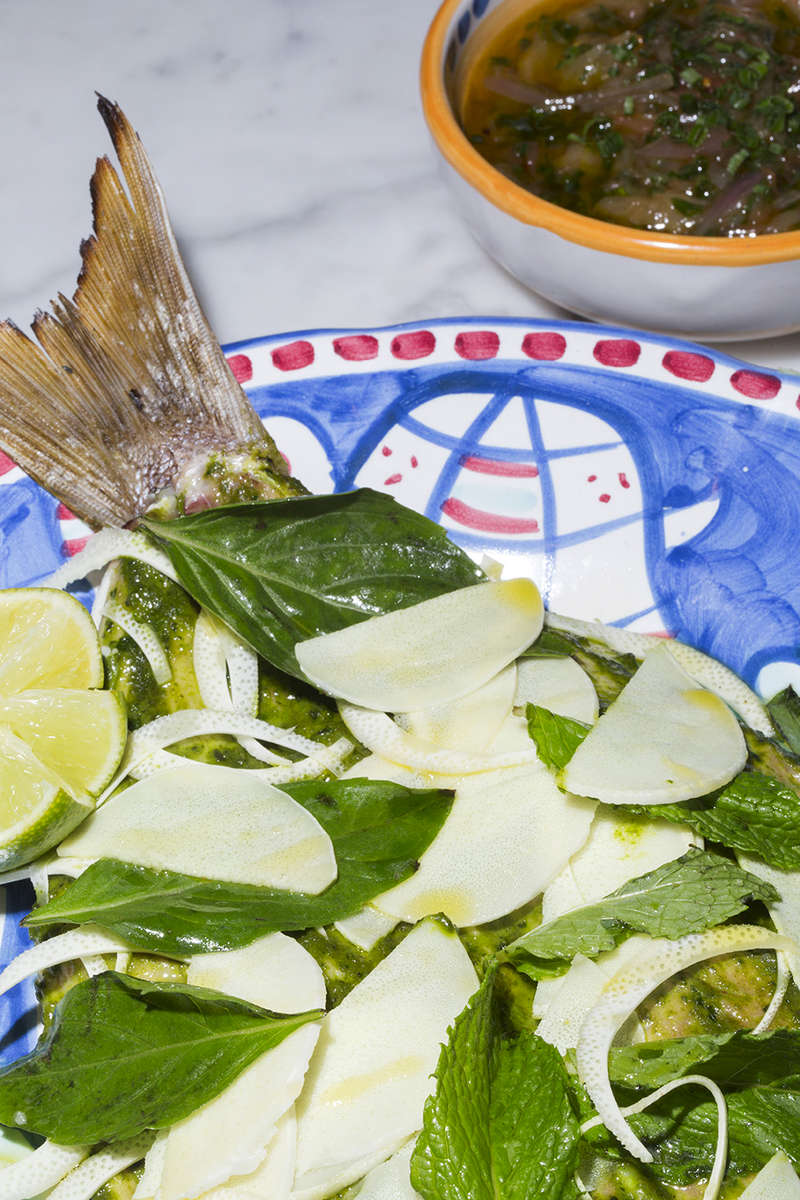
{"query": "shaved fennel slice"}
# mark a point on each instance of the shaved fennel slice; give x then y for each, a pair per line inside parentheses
(216, 822)
(623, 994)
(392, 1179)
(242, 664)
(101, 594)
(663, 740)
(507, 834)
(785, 912)
(162, 760)
(711, 1190)
(102, 548)
(427, 654)
(331, 1179)
(188, 722)
(64, 947)
(366, 927)
(145, 638)
(513, 736)
(85, 1180)
(274, 1177)
(559, 684)
(372, 1071)
(782, 979)
(706, 670)
(275, 972)
(776, 1181)
(326, 758)
(93, 964)
(380, 734)
(148, 1185)
(226, 669)
(229, 1137)
(615, 851)
(208, 660)
(371, 767)
(470, 723)
(572, 996)
(43, 1168)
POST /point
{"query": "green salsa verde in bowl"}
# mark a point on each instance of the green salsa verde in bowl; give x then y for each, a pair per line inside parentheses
(633, 162)
(679, 117)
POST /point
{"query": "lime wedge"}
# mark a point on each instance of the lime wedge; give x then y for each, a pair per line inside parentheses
(37, 809)
(80, 735)
(47, 640)
(61, 738)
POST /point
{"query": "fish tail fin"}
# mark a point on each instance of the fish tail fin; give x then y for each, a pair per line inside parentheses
(127, 385)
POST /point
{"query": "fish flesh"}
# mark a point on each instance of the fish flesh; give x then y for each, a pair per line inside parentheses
(126, 395)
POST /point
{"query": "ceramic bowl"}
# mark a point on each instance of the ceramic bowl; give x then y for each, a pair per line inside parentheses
(707, 288)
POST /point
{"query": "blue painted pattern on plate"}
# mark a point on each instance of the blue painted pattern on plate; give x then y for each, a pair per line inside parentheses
(656, 502)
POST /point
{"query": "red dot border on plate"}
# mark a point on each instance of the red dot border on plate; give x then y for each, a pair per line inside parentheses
(540, 345)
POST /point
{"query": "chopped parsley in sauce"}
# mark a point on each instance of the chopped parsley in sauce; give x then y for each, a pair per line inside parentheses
(679, 117)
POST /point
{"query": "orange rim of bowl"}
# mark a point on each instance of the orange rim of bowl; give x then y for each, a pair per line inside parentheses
(586, 231)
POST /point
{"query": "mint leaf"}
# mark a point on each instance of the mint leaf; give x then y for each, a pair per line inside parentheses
(754, 813)
(784, 709)
(689, 894)
(379, 831)
(682, 1133)
(556, 738)
(500, 1125)
(734, 1060)
(549, 644)
(285, 570)
(124, 1055)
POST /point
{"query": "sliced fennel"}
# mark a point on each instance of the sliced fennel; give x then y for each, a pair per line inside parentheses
(430, 653)
(625, 992)
(664, 739)
(215, 822)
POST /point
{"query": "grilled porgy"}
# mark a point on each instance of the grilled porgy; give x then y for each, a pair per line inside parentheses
(127, 393)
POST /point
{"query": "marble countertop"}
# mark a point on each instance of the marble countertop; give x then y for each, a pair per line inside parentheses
(289, 140)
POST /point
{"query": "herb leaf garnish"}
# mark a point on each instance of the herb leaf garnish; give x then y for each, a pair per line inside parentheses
(689, 894)
(735, 1059)
(754, 813)
(124, 1055)
(784, 709)
(556, 738)
(500, 1125)
(285, 570)
(379, 831)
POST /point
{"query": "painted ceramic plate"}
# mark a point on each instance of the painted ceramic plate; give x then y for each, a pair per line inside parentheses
(639, 480)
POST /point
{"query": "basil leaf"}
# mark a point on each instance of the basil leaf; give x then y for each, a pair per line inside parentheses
(124, 1055)
(379, 831)
(753, 813)
(689, 894)
(734, 1060)
(500, 1125)
(556, 738)
(784, 709)
(285, 570)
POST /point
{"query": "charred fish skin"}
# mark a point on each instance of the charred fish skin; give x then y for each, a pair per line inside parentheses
(127, 398)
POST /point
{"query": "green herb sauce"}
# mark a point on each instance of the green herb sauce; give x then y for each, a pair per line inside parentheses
(679, 117)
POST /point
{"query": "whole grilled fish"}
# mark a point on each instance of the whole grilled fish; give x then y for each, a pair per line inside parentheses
(127, 394)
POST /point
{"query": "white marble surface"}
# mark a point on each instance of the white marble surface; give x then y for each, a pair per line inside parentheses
(289, 139)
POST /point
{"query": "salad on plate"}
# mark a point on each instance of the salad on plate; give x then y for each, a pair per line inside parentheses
(357, 873)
